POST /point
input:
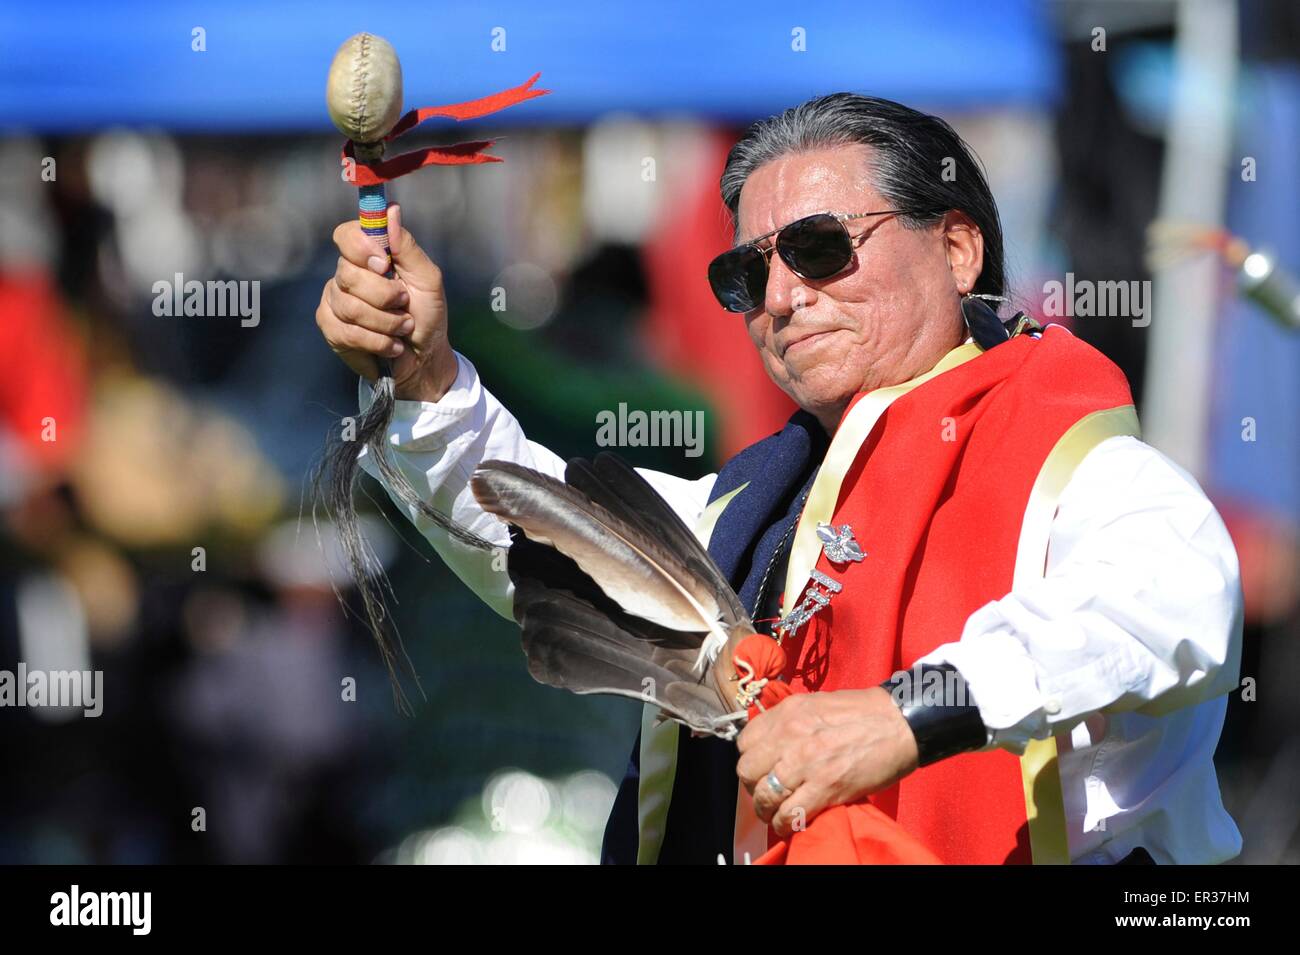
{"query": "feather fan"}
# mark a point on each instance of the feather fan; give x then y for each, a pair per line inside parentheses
(613, 593)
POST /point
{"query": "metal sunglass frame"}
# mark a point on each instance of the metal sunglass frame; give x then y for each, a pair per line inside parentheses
(840, 217)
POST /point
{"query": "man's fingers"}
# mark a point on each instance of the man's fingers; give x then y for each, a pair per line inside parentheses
(350, 310)
(768, 800)
(355, 338)
(413, 266)
(348, 337)
(756, 762)
(799, 809)
(776, 722)
(360, 249)
(755, 731)
(372, 289)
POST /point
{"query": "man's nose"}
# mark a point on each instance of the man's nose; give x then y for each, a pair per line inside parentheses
(786, 292)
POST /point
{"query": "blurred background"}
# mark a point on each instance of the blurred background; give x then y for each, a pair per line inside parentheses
(155, 507)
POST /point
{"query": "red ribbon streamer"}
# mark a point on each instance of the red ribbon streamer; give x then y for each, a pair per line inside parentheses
(385, 170)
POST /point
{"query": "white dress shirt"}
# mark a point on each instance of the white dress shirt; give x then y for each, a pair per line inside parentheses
(1128, 644)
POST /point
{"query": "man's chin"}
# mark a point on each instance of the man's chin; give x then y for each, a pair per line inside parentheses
(827, 407)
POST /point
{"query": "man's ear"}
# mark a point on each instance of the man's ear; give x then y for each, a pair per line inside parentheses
(964, 245)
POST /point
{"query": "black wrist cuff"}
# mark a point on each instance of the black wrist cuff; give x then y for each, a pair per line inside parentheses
(940, 710)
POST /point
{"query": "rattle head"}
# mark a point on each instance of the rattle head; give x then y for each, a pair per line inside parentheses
(364, 90)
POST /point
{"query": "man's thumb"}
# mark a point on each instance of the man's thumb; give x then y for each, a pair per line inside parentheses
(409, 259)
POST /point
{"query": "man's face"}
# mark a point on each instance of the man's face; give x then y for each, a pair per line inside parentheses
(888, 317)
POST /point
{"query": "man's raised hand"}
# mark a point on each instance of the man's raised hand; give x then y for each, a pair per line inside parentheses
(365, 316)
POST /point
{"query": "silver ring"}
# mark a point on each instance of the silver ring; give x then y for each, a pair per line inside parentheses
(774, 784)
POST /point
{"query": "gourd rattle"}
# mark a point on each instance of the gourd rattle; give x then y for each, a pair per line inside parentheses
(363, 94)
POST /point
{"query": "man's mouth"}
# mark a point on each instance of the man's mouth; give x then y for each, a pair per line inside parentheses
(805, 341)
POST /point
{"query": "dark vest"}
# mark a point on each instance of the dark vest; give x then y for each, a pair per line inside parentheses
(702, 812)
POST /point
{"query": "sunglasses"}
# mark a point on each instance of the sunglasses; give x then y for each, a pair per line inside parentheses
(814, 247)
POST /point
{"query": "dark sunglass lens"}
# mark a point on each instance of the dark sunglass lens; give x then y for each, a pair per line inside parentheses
(739, 279)
(816, 247)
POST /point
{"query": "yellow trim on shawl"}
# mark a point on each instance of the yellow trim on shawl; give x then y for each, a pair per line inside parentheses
(659, 740)
(1044, 800)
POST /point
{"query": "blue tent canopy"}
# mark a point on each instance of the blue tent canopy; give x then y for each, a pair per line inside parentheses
(86, 64)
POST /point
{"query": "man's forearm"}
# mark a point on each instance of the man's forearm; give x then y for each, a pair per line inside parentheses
(439, 444)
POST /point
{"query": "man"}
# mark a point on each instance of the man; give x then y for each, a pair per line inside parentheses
(986, 508)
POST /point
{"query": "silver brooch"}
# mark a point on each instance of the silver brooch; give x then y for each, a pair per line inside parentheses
(838, 543)
(817, 596)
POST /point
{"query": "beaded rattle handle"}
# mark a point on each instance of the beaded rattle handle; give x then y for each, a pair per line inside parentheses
(373, 213)
(373, 202)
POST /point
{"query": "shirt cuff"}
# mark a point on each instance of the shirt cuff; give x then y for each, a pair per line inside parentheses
(1018, 700)
(1003, 681)
(423, 425)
